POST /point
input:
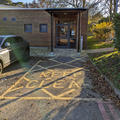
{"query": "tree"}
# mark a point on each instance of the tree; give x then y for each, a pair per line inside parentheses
(5, 1)
(116, 22)
(68, 3)
(84, 3)
(20, 4)
(111, 3)
(115, 6)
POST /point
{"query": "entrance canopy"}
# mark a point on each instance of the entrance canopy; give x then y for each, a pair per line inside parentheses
(67, 27)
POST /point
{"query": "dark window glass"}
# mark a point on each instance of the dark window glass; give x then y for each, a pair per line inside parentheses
(4, 19)
(13, 19)
(1, 39)
(28, 28)
(43, 28)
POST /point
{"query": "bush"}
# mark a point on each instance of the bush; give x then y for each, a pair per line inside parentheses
(102, 31)
(104, 19)
(116, 22)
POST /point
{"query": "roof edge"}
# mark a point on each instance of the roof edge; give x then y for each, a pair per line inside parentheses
(46, 9)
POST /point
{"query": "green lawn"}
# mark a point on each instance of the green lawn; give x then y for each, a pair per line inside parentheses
(93, 43)
(109, 65)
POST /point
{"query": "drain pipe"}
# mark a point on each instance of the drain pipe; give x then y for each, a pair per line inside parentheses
(78, 32)
(81, 37)
(51, 52)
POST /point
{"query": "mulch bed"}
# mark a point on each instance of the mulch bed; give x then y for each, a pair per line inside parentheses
(100, 85)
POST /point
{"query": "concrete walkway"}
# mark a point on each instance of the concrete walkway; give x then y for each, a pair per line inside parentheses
(56, 89)
(99, 50)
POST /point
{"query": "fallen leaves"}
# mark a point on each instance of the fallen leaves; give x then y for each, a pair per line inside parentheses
(101, 86)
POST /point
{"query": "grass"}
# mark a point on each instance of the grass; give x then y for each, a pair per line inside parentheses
(93, 43)
(109, 64)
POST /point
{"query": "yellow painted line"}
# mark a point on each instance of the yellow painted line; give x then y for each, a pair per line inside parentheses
(26, 98)
(27, 79)
(67, 63)
(9, 89)
(36, 69)
(49, 66)
(73, 83)
(40, 66)
(65, 93)
(50, 94)
(23, 77)
(60, 63)
(57, 61)
(16, 89)
(37, 98)
(50, 98)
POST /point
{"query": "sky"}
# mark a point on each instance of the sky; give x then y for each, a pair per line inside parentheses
(24, 1)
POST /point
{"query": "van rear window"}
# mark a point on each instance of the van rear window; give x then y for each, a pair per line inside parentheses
(1, 39)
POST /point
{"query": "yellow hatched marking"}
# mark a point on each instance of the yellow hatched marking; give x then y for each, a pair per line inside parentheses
(9, 89)
(38, 98)
(50, 98)
(65, 93)
(50, 94)
(67, 63)
(16, 88)
(26, 79)
(23, 77)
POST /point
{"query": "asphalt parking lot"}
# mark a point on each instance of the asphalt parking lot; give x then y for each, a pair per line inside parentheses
(56, 88)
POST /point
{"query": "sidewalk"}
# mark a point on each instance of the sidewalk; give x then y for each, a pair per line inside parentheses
(99, 50)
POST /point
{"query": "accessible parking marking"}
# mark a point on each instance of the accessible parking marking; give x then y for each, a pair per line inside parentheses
(57, 81)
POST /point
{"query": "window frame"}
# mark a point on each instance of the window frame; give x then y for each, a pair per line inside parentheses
(27, 31)
(40, 28)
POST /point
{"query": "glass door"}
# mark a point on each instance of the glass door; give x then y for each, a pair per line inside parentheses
(63, 35)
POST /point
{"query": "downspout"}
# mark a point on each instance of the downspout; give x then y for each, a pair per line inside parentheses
(51, 32)
(80, 32)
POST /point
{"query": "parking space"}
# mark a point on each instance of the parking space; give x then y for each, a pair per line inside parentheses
(56, 88)
(55, 78)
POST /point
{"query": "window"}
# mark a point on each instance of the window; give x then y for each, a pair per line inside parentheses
(13, 19)
(4, 19)
(43, 28)
(28, 28)
(1, 39)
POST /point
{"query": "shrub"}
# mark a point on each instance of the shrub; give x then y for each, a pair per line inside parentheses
(104, 19)
(116, 22)
(102, 31)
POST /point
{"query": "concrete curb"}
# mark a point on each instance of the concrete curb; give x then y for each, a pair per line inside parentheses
(100, 50)
(117, 91)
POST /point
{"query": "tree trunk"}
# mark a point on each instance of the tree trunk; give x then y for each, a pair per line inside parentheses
(115, 10)
(111, 10)
(84, 2)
